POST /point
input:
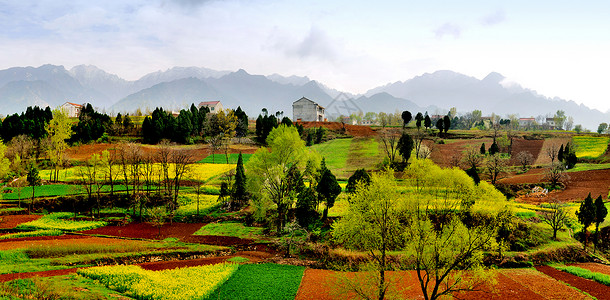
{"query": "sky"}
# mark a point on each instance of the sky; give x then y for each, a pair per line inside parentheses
(558, 48)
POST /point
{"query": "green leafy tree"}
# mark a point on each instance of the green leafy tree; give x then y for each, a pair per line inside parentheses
(267, 171)
(602, 128)
(328, 189)
(372, 224)
(59, 131)
(33, 179)
(586, 216)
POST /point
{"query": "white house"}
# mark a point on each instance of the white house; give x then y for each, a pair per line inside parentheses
(307, 111)
(72, 109)
(526, 122)
(214, 106)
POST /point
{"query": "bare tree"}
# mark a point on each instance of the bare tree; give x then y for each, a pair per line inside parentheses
(418, 139)
(21, 145)
(182, 160)
(135, 163)
(390, 144)
(556, 217)
(123, 159)
(148, 170)
(495, 166)
(164, 158)
(472, 157)
(524, 158)
(109, 161)
(555, 174)
(552, 150)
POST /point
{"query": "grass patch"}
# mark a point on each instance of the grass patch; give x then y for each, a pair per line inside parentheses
(234, 229)
(584, 273)
(589, 167)
(49, 251)
(261, 281)
(238, 259)
(58, 221)
(221, 158)
(59, 287)
(590, 147)
(335, 152)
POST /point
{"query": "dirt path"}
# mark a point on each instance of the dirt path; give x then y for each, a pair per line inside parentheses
(594, 289)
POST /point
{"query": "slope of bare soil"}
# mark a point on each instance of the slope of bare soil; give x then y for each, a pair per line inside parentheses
(11, 221)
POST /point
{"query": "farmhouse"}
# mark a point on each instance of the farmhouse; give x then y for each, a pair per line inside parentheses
(550, 122)
(214, 106)
(526, 122)
(307, 110)
(72, 109)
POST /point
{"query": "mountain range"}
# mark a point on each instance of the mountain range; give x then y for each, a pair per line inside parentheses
(178, 87)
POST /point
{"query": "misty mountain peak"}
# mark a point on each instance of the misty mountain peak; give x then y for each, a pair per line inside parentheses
(494, 77)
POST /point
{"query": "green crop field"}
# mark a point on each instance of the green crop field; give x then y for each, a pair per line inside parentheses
(230, 229)
(590, 147)
(344, 156)
(222, 159)
(261, 281)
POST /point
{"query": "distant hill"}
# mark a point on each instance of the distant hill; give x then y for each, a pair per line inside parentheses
(178, 87)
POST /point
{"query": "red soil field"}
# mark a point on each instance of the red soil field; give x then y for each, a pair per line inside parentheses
(511, 284)
(597, 182)
(595, 289)
(147, 231)
(442, 153)
(353, 130)
(532, 146)
(11, 221)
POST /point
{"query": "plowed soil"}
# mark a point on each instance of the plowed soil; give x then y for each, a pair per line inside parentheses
(511, 284)
(353, 130)
(595, 289)
(522, 145)
(11, 221)
(147, 231)
(597, 182)
(443, 153)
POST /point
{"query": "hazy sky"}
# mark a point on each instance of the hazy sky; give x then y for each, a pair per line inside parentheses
(559, 48)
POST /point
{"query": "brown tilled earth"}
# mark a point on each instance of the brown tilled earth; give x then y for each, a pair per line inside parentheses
(591, 287)
(353, 130)
(11, 221)
(580, 184)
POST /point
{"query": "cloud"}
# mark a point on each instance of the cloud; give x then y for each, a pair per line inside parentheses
(316, 44)
(494, 18)
(448, 29)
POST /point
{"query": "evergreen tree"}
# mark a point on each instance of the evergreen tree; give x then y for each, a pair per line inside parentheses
(600, 215)
(406, 118)
(560, 153)
(440, 125)
(328, 189)
(494, 149)
(446, 123)
(239, 193)
(418, 119)
(33, 179)
(241, 130)
(127, 123)
(472, 172)
(305, 211)
(405, 146)
(427, 121)
(360, 176)
(586, 216)
(482, 150)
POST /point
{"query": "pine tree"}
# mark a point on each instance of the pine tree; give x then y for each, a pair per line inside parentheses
(328, 189)
(482, 150)
(600, 215)
(239, 187)
(586, 216)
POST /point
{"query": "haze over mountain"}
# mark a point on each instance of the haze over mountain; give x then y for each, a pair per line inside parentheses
(178, 87)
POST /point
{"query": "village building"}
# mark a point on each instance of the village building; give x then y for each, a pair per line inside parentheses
(526, 122)
(307, 111)
(550, 122)
(72, 109)
(214, 106)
